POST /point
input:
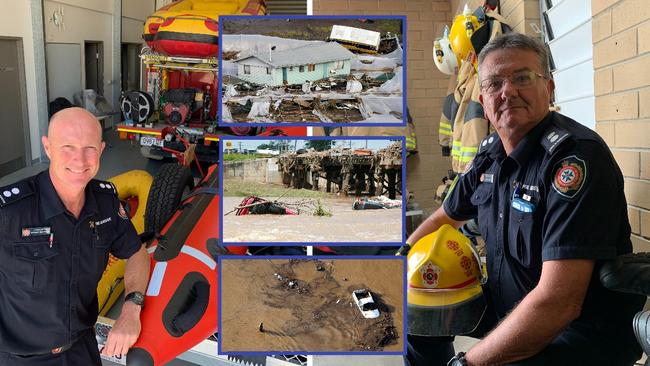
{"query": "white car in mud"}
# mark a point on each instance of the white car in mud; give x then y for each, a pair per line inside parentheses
(366, 303)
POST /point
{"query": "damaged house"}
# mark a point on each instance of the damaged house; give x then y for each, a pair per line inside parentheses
(295, 66)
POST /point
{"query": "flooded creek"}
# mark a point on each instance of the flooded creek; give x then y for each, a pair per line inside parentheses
(345, 224)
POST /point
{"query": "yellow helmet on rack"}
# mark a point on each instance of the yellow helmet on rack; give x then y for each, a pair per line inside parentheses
(444, 292)
(460, 36)
(443, 56)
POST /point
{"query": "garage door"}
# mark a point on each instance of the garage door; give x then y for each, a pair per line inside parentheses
(567, 26)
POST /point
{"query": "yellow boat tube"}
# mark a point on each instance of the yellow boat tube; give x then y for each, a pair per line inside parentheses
(134, 184)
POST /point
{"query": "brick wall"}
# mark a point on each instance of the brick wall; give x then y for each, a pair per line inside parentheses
(520, 14)
(621, 38)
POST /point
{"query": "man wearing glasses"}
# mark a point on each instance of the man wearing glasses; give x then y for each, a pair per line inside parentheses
(549, 201)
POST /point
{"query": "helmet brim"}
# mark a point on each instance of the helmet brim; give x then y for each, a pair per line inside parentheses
(444, 313)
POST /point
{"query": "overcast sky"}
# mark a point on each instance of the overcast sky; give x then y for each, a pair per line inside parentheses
(299, 144)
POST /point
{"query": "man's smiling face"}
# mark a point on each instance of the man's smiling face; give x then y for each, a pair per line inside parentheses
(74, 146)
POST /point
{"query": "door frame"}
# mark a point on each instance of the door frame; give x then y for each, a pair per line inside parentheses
(100, 65)
(23, 97)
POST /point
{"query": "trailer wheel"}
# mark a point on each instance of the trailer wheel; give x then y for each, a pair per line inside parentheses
(169, 185)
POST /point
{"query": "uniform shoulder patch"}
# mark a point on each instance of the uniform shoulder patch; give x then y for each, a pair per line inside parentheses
(553, 137)
(569, 176)
(103, 186)
(15, 192)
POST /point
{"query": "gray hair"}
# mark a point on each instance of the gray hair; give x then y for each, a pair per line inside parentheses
(514, 40)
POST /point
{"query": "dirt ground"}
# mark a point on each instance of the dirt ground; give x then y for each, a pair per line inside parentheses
(306, 305)
(345, 224)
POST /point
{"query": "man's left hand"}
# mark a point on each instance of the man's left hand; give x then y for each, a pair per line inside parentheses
(125, 332)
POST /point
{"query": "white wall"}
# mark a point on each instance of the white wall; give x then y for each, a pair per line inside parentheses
(138, 9)
(15, 21)
(105, 6)
(132, 30)
(83, 24)
(134, 13)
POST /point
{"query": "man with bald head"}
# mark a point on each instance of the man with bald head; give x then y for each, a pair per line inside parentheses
(57, 229)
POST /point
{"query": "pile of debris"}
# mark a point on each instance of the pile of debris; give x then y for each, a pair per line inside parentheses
(293, 109)
(391, 155)
(361, 170)
(253, 205)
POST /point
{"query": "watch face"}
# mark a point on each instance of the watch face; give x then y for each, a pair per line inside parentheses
(139, 297)
(135, 297)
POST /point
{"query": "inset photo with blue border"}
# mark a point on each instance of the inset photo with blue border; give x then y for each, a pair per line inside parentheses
(312, 305)
(312, 70)
(288, 191)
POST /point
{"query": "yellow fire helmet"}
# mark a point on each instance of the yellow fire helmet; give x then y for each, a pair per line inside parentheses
(462, 29)
(444, 293)
(443, 56)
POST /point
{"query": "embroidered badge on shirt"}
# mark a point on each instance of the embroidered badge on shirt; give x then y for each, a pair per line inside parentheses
(102, 222)
(570, 174)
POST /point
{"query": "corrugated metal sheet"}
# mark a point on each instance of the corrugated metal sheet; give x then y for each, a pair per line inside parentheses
(310, 54)
(281, 7)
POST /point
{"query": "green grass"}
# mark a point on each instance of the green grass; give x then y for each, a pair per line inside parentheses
(321, 210)
(237, 188)
(241, 157)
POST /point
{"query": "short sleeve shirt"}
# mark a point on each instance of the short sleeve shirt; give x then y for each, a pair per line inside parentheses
(558, 195)
(51, 262)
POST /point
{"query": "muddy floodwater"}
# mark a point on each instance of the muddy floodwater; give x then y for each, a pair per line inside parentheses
(345, 224)
(306, 305)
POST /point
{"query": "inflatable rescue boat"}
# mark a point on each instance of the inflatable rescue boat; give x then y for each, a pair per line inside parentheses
(180, 307)
(190, 27)
(133, 188)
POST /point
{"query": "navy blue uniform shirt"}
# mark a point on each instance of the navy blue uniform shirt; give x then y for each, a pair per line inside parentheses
(51, 262)
(558, 195)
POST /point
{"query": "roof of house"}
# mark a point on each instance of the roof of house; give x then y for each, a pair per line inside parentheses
(315, 53)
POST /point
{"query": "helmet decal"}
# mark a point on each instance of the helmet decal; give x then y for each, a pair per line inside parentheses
(430, 273)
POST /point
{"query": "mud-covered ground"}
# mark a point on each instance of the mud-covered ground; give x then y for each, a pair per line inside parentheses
(307, 305)
(345, 224)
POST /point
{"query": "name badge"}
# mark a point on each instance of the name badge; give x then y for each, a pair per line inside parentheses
(487, 178)
(36, 231)
(522, 205)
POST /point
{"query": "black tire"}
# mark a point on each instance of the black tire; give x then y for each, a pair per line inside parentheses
(170, 183)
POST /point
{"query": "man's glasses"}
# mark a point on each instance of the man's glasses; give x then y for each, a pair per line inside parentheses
(520, 79)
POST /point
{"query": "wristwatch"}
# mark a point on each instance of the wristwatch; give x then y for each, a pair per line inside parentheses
(135, 297)
(458, 360)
